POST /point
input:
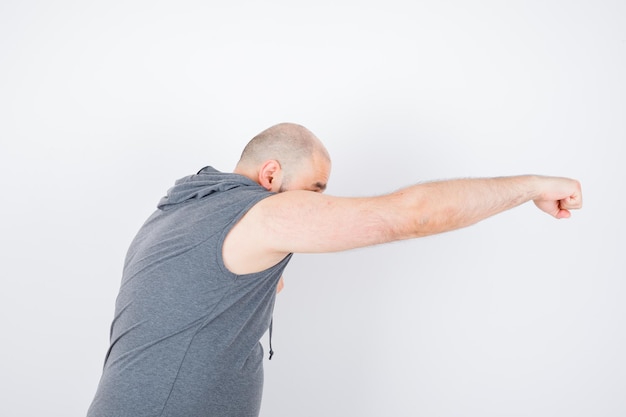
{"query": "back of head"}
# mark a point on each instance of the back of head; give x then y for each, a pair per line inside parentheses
(287, 143)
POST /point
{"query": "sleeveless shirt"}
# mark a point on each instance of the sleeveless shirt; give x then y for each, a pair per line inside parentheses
(185, 338)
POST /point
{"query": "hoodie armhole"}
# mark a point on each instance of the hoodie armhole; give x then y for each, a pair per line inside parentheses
(228, 228)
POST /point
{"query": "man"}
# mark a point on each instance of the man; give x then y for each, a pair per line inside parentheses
(201, 276)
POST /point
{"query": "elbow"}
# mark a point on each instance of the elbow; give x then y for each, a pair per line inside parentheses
(406, 218)
(421, 219)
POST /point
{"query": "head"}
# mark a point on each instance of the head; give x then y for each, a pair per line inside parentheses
(286, 157)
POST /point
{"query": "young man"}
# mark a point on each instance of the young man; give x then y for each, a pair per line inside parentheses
(201, 276)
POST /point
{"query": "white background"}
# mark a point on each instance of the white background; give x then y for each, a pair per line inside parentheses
(104, 104)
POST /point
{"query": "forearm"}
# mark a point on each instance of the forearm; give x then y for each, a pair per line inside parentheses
(437, 207)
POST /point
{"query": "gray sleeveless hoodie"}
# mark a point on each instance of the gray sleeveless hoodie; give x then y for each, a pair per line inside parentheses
(185, 335)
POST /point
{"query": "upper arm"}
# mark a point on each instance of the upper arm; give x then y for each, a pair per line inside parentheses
(308, 222)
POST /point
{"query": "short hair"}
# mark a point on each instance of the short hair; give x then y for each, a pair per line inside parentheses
(287, 143)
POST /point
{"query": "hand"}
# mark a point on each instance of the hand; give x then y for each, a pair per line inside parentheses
(280, 285)
(558, 196)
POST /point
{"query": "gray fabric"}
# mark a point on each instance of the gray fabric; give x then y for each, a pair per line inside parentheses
(186, 331)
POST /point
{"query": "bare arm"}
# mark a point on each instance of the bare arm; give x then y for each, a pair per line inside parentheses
(303, 221)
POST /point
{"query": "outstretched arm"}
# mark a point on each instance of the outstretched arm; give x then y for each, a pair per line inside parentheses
(304, 221)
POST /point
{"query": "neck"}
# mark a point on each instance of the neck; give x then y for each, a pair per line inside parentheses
(246, 173)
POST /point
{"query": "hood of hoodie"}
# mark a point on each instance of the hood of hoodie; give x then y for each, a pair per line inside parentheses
(206, 182)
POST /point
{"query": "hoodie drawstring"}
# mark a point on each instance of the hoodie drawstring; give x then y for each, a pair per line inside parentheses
(271, 350)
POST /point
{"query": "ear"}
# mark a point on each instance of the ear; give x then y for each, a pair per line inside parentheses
(270, 175)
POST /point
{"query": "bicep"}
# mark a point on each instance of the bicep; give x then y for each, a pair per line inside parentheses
(307, 222)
